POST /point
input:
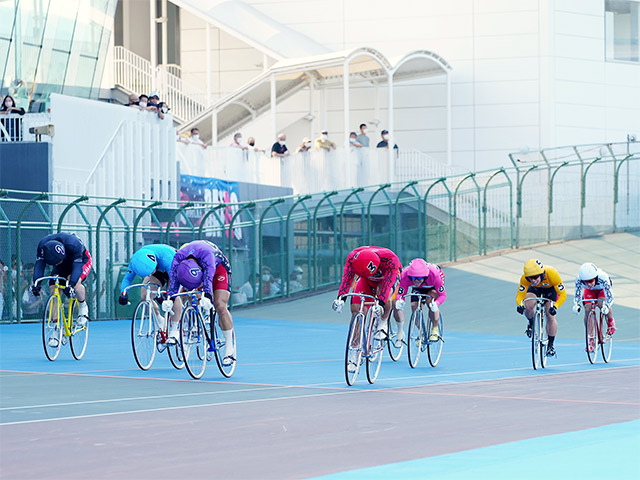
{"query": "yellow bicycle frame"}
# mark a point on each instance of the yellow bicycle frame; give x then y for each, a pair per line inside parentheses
(55, 316)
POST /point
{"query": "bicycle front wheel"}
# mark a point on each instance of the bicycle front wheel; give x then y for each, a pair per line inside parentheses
(375, 346)
(434, 348)
(591, 336)
(192, 338)
(353, 353)
(219, 343)
(175, 356)
(414, 340)
(143, 335)
(79, 334)
(394, 345)
(606, 344)
(51, 328)
(536, 344)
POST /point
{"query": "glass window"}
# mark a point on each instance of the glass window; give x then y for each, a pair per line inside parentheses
(622, 32)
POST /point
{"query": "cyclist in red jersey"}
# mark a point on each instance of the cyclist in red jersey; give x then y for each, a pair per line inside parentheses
(378, 270)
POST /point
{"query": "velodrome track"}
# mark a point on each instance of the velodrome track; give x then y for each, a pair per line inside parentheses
(287, 412)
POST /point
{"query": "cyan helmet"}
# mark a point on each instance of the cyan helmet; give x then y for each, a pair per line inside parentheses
(143, 262)
(189, 274)
(53, 252)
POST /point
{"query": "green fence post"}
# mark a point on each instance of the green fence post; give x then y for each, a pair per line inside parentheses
(616, 177)
(519, 202)
(271, 205)
(212, 211)
(395, 247)
(136, 222)
(583, 203)
(442, 180)
(455, 211)
(172, 218)
(4, 193)
(83, 198)
(37, 198)
(553, 176)
(369, 226)
(301, 199)
(314, 221)
(355, 193)
(233, 219)
(98, 268)
(484, 207)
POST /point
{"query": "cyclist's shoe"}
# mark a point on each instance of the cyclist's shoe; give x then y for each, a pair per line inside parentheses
(551, 351)
(399, 337)
(229, 355)
(173, 334)
(592, 346)
(529, 330)
(434, 335)
(352, 365)
(82, 320)
(612, 327)
(53, 339)
(381, 334)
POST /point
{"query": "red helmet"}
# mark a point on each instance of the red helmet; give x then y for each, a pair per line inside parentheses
(365, 263)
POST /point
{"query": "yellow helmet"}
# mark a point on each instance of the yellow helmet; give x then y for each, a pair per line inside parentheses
(533, 268)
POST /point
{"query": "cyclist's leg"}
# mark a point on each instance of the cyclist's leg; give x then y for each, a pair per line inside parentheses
(588, 295)
(85, 268)
(611, 323)
(552, 323)
(221, 294)
(529, 310)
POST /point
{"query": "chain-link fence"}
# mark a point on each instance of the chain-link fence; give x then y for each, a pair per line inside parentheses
(280, 247)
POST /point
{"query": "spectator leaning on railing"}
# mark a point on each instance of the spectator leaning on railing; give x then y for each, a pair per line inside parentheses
(236, 142)
(323, 142)
(133, 101)
(362, 139)
(305, 146)
(251, 145)
(279, 149)
(353, 141)
(11, 125)
(195, 138)
(163, 109)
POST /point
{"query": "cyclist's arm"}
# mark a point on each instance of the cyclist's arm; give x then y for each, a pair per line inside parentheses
(38, 269)
(577, 297)
(127, 280)
(522, 290)
(608, 292)
(392, 266)
(76, 271)
(442, 294)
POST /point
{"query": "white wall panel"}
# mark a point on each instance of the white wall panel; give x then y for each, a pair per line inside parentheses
(579, 47)
(523, 114)
(587, 116)
(521, 91)
(579, 24)
(513, 138)
(586, 7)
(578, 93)
(509, 23)
(511, 46)
(579, 70)
(506, 69)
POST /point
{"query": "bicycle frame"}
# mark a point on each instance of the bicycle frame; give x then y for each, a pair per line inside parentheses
(155, 289)
(67, 320)
(596, 332)
(363, 312)
(421, 303)
(539, 335)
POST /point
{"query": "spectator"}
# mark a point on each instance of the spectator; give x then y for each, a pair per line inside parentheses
(384, 143)
(353, 140)
(11, 125)
(195, 138)
(295, 279)
(251, 145)
(163, 109)
(279, 149)
(143, 103)
(154, 99)
(362, 139)
(324, 142)
(236, 142)
(3, 282)
(30, 303)
(133, 101)
(305, 146)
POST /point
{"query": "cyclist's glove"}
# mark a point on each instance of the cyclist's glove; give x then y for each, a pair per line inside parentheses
(205, 303)
(553, 310)
(167, 305)
(124, 299)
(433, 306)
(520, 309)
(605, 309)
(35, 290)
(159, 298)
(378, 309)
(337, 304)
(69, 292)
(576, 309)
(400, 304)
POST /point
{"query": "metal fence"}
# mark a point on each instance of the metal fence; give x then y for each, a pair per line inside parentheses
(279, 247)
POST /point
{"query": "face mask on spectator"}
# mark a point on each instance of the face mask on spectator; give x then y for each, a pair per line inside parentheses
(165, 109)
(365, 130)
(281, 142)
(325, 136)
(307, 144)
(195, 136)
(251, 144)
(385, 137)
(352, 140)
(8, 104)
(142, 104)
(266, 277)
(238, 140)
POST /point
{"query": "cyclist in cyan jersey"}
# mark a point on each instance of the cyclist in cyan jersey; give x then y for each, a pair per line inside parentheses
(541, 281)
(425, 278)
(592, 283)
(379, 271)
(70, 259)
(153, 263)
(202, 264)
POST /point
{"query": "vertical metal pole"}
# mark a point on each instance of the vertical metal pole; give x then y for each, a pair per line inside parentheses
(391, 171)
(347, 148)
(449, 159)
(274, 128)
(153, 43)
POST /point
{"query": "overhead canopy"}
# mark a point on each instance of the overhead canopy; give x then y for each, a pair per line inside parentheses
(291, 75)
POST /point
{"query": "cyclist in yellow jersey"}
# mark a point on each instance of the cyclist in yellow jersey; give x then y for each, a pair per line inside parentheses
(541, 281)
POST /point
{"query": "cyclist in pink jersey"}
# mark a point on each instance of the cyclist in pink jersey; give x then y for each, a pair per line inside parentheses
(425, 278)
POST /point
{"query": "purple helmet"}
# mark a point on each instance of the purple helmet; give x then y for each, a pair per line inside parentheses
(189, 274)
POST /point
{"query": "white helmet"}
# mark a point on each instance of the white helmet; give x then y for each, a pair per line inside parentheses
(587, 271)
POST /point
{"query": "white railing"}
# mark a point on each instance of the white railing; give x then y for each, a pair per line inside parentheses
(15, 128)
(137, 75)
(312, 171)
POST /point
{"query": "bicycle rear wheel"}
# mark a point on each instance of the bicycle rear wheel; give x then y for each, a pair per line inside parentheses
(353, 353)
(175, 356)
(192, 338)
(79, 334)
(220, 347)
(434, 349)
(143, 335)
(535, 340)
(591, 336)
(606, 343)
(51, 328)
(394, 345)
(544, 340)
(415, 337)
(375, 346)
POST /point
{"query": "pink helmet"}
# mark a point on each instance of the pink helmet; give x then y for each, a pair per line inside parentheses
(365, 263)
(417, 268)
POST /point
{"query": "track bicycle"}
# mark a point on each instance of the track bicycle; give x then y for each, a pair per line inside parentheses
(539, 335)
(60, 324)
(362, 341)
(395, 346)
(596, 334)
(149, 334)
(419, 335)
(201, 338)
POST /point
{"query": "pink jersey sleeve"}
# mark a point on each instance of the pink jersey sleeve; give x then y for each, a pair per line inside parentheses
(436, 279)
(405, 283)
(348, 274)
